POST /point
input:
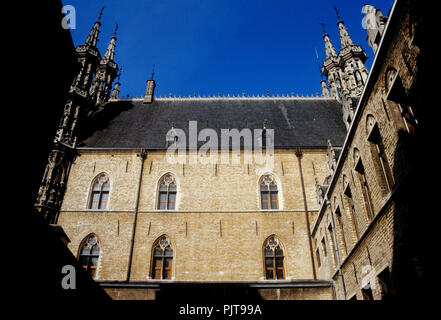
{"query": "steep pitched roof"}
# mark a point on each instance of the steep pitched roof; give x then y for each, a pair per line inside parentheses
(297, 122)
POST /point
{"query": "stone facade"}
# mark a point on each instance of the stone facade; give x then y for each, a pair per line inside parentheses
(369, 223)
(218, 229)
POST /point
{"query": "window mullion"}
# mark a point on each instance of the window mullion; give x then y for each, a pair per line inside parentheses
(100, 197)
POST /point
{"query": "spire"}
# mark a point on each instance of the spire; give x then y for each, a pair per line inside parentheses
(110, 52)
(92, 38)
(329, 48)
(345, 39)
(105, 73)
(153, 72)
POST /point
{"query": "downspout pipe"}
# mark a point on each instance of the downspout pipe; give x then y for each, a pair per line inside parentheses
(135, 217)
(337, 252)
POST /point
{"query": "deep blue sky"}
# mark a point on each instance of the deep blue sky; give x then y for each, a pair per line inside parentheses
(225, 46)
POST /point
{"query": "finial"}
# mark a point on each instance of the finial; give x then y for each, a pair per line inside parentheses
(336, 12)
(153, 71)
(101, 13)
(116, 29)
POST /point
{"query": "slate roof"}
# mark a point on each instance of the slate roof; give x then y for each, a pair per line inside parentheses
(297, 122)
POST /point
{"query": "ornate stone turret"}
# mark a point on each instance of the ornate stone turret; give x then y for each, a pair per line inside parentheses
(331, 68)
(351, 59)
(105, 74)
(345, 71)
(77, 105)
(89, 58)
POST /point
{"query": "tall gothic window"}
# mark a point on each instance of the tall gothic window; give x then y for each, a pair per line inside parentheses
(351, 209)
(378, 152)
(268, 193)
(100, 192)
(89, 255)
(361, 174)
(162, 259)
(273, 255)
(395, 93)
(167, 193)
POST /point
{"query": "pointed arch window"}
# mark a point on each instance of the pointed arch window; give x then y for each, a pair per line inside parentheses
(269, 193)
(379, 151)
(167, 193)
(162, 261)
(365, 190)
(274, 259)
(100, 193)
(89, 255)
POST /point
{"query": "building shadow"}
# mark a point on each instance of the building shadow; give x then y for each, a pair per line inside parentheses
(415, 165)
(208, 292)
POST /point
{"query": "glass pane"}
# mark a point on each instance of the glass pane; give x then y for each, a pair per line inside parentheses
(279, 252)
(93, 261)
(279, 262)
(104, 198)
(171, 206)
(96, 187)
(106, 187)
(168, 252)
(279, 274)
(96, 250)
(268, 252)
(265, 204)
(163, 196)
(264, 195)
(85, 250)
(172, 197)
(95, 199)
(162, 206)
(269, 262)
(157, 274)
(163, 187)
(172, 188)
(158, 252)
(168, 262)
(157, 262)
(273, 187)
(269, 274)
(167, 274)
(263, 187)
(273, 195)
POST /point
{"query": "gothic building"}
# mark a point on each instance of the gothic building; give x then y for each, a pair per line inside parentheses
(317, 220)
